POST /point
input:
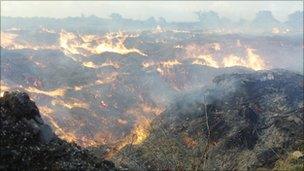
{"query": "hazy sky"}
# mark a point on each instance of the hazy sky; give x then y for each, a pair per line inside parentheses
(170, 10)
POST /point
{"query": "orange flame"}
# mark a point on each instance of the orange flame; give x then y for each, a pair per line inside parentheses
(70, 104)
(47, 113)
(252, 61)
(202, 56)
(141, 132)
(57, 92)
(3, 88)
(206, 60)
(89, 65)
(105, 64)
(92, 44)
(10, 41)
(170, 63)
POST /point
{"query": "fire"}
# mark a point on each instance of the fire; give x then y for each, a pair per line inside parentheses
(140, 133)
(159, 70)
(198, 62)
(3, 88)
(162, 64)
(233, 60)
(275, 30)
(103, 105)
(216, 46)
(87, 142)
(10, 41)
(46, 30)
(145, 108)
(57, 92)
(108, 45)
(201, 55)
(252, 61)
(69, 42)
(178, 46)
(148, 64)
(93, 44)
(255, 61)
(188, 141)
(137, 136)
(105, 64)
(58, 130)
(7, 39)
(206, 60)
(78, 88)
(121, 121)
(238, 43)
(149, 109)
(89, 65)
(48, 114)
(158, 29)
(170, 63)
(44, 110)
(106, 79)
(111, 63)
(71, 103)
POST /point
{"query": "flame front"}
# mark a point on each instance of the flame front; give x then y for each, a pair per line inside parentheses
(202, 55)
(252, 61)
(57, 92)
(3, 88)
(48, 113)
(91, 64)
(93, 44)
(7, 39)
(170, 63)
(137, 136)
(173, 70)
(70, 104)
(141, 132)
(206, 60)
(11, 41)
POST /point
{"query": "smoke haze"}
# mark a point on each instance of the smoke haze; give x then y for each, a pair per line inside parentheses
(179, 10)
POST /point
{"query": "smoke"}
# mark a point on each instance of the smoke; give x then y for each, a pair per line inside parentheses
(218, 89)
(209, 21)
(183, 11)
(98, 87)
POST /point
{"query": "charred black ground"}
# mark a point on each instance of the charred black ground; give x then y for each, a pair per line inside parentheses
(28, 143)
(243, 121)
(152, 94)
